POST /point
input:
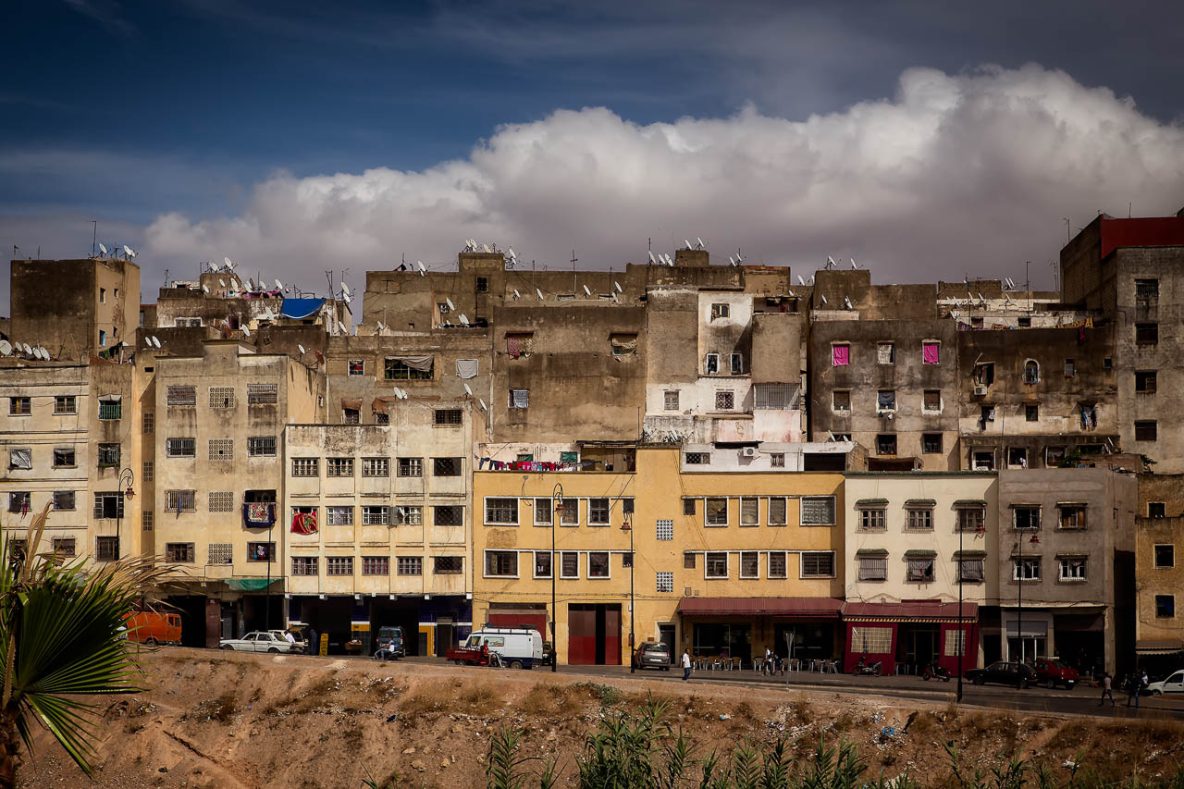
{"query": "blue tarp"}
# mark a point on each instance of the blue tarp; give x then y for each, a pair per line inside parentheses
(301, 308)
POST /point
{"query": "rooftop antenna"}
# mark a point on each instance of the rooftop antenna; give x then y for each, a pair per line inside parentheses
(94, 236)
(574, 260)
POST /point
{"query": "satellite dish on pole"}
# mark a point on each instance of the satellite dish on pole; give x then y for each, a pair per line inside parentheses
(5, 348)
(103, 249)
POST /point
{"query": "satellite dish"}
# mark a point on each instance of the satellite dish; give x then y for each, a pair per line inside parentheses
(103, 249)
(539, 293)
(732, 260)
(587, 292)
(510, 253)
(464, 321)
(302, 351)
(131, 253)
(517, 295)
(250, 284)
(147, 342)
(345, 289)
(155, 341)
(5, 348)
(847, 303)
(205, 288)
(481, 403)
(221, 283)
(652, 260)
(617, 285)
(451, 306)
(341, 327)
(279, 285)
(614, 295)
(381, 327)
(213, 266)
(420, 264)
(468, 390)
(44, 353)
(347, 297)
(229, 263)
(700, 241)
(669, 260)
(686, 244)
(246, 332)
(801, 281)
(792, 295)
(739, 257)
(824, 298)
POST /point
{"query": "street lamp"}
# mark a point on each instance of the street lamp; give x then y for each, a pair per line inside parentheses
(627, 526)
(124, 488)
(1019, 594)
(557, 506)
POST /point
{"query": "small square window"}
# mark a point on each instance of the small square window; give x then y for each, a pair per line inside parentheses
(1156, 509)
(931, 400)
(1024, 323)
(1070, 368)
(750, 564)
(665, 530)
(688, 506)
(1146, 334)
(841, 400)
(931, 352)
(716, 564)
(410, 467)
(65, 404)
(447, 467)
(1165, 556)
(670, 400)
(688, 561)
(725, 400)
(715, 511)
(339, 467)
(409, 565)
(886, 444)
(1145, 381)
(448, 416)
(519, 399)
(665, 582)
(1031, 413)
(886, 353)
(886, 400)
(1165, 606)
(598, 564)
(840, 354)
(20, 406)
(261, 446)
(1146, 430)
(931, 443)
(778, 566)
(351, 416)
(1017, 457)
(697, 458)
(777, 460)
(357, 366)
(720, 311)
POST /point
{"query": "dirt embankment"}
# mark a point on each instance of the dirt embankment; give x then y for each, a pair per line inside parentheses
(234, 720)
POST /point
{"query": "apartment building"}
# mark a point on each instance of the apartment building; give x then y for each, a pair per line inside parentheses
(1159, 539)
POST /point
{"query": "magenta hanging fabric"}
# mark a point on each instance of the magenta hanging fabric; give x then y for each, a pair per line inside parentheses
(840, 355)
(931, 352)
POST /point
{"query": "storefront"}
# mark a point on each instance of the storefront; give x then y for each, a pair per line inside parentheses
(906, 637)
(743, 627)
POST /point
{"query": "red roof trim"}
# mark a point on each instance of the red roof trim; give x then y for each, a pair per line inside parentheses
(817, 607)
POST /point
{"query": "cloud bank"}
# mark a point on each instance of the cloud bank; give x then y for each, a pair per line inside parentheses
(970, 173)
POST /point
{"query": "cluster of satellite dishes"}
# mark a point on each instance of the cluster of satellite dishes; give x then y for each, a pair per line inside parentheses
(473, 246)
(116, 250)
(152, 341)
(24, 349)
(480, 402)
(831, 265)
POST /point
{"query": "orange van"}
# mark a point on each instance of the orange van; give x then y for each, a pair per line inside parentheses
(152, 627)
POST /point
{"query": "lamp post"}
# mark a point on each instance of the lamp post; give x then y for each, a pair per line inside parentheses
(557, 507)
(627, 526)
(124, 488)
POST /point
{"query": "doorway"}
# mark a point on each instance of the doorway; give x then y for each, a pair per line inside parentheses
(594, 634)
(666, 636)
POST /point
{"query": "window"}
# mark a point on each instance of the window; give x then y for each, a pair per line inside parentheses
(260, 551)
(931, 352)
(886, 401)
(357, 367)
(778, 511)
(482, 284)
(1024, 322)
(919, 518)
(447, 416)
(972, 569)
(778, 566)
(931, 443)
(262, 446)
(665, 582)
(1025, 569)
(886, 353)
(688, 506)
(1146, 291)
(543, 515)
(306, 467)
(221, 501)
(872, 639)
(715, 511)
(776, 460)
(670, 400)
(146, 520)
(410, 565)
(840, 354)
(569, 512)
(1031, 371)
(697, 459)
(351, 416)
(1026, 517)
(873, 519)
(501, 564)
(920, 569)
(1070, 368)
(818, 564)
(447, 467)
(715, 564)
(21, 501)
(720, 311)
(598, 512)
(221, 449)
(1156, 509)
(107, 549)
(542, 564)
(376, 467)
(986, 415)
(1146, 334)
(972, 519)
(818, 510)
(873, 568)
(180, 447)
(1145, 381)
(107, 505)
(149, 422)
(65, 547)
(179, 553)
(339, 565)
(449, 515)
(598, 565)
(1146, 430)
(1165, 606)
(221, 397)
(376, 515)
(65, 404)
(931, 400)
(725, 400)
(774, 397)
(750, 564)
(20, 406)
(711, 365)
(1072, 516)
(750, 511)
(340, 515)
(1017, 457)
(180, 500)
(569, 564)
(448, 565)
(983, 461)
(840, 400)
(688, 561)
(179, 396)
(410, 467)
(63, 457)
(626, 505)
(519, 345)
(411, 369)
(1165, 556)
(737, 364)
(408, 515)
(1072, 568)
(984, 374)
(376, 565)
(110, 408)
(665, 530)
(1032, 413)
(382, 418)
(305, 565)
(263, 394)
(339, 467)
(63, 500)
(886, 444)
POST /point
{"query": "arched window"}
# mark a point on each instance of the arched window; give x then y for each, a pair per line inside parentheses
(1031, 372)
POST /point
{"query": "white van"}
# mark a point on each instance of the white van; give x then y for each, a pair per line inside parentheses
(1174, 683)
(517, 647)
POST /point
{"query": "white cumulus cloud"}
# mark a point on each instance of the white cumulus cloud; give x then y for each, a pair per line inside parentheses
(970, 173)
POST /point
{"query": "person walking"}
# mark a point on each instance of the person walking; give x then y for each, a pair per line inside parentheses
(686, 665)
(1131, 686)
(1107, 689)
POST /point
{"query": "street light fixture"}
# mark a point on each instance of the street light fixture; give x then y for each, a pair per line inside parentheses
(627, 526)
(557, 506)
(124, 488)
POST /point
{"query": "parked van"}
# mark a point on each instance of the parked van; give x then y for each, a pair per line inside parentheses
(153, 627)
(517, 647)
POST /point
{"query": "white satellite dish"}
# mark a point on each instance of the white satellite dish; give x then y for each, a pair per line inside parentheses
(732, 260)
(301, 348)
(341, 327)
(854, 265)
(464, 320)
(279, 285)
(131, 253)
(155, 341)
(148, 342)
(539, 293)
(823, 297)
(686, 244)
(700, 242)
(739, 257)
(381, 327)
(345, 289)
(510, 254)
(103, 249)
(481, 403)
(451, 306)
(669, 260)
(250, 284)
(792, 295)
(5, 348)
(587, 292)
(652, 259)
(617, 285)
(44, 353)
(221, 283)
(801, 281)
(517, 295)
(246, 332)
(347, 297)
(229, 263)
(205, 288)
(847, 303)
(213, 266)
(468, 390)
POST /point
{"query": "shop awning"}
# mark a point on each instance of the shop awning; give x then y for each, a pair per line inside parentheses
(797, 607)
(909, 612)
(250, 584)
(1158, 647)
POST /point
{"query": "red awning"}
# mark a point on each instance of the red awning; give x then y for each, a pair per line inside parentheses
(798, 607)
(909, 612)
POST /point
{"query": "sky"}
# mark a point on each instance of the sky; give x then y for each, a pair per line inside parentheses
(927, 140)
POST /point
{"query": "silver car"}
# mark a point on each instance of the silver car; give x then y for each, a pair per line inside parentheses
(257, 641)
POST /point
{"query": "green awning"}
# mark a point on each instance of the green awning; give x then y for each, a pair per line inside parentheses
(250, 584)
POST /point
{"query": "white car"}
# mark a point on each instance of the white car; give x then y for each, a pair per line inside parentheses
(257, 641)
(297, 646)
(1174, 683)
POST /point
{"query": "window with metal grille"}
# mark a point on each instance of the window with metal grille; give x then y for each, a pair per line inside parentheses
(1072, 568)
(64, 457)
(374, 515)
(305, 467)
(670, 400)
(340, 515)
(750, 511)
(777, 460)
(715, 564)
(108, 455)
(598, 564)
(598, 512)
(501, 564)
(339, 467)
(665, 530)
(776, 397)
(920, 569)
(698, 458)
(179, 552)
(149, 471)
(305, 565)
(1025, 569)
(542, 564)
(376, 565)
(23, 406)
(872, 640)
(221, 501)
(750, 564)
(220, 553)
(873, 519)
(448, 565)
(261, 446)
(501, 511)
(569, 564)
(65, 546)
(410, 565)
(357, 366)
(778, 565)
(410, 467)
(818, 564)
(180, 447)
(448, 515)
(447, 467)
(180, 500)
(399, 370)
(351, 416)
(1027, 517)
(519, 398)
(971, 570)
(221, 397)
(407, 515)
(448, 416)
(65, 404)
(180, 396)
(376, 467)
(665, 582)
(149, 422)
(263, 394)
(221, 450)
(715, 511)
(107, 549)
(873, 568)
(818, 510)
(339, 565)
(63, 499)
(107, 505)
(919, 518)
(146, 520)
(725, 400)
(381, 419)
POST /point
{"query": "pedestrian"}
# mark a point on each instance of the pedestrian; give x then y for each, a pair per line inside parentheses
(686, 665)
(768, 665)
(1107, 690)
(313, 646)
(1141, 684)
(1131, 686)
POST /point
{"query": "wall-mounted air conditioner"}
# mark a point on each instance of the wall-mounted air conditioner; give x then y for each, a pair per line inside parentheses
(748, 452)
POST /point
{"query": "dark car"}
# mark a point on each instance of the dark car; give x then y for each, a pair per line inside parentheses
(1003, 672)
(653, 654)
(1054, 673)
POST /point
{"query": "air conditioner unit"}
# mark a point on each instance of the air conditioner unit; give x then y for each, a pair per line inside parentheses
(980, 390)
(748, 452)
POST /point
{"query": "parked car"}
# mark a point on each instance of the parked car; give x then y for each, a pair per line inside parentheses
(153, 627)
(1054, 673)
(257, 641)
(298, 646)
(1173, 683)
(653, 654)
(1004, 672)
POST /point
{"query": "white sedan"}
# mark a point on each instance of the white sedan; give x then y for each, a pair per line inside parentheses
(257, 641)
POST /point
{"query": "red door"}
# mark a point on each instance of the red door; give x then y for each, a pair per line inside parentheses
(612, 635)
(581, 635)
